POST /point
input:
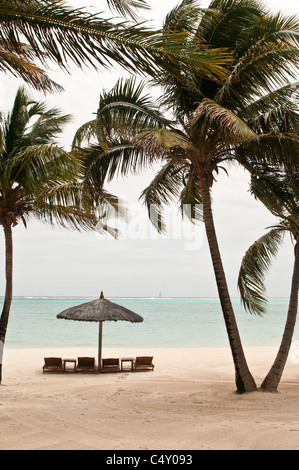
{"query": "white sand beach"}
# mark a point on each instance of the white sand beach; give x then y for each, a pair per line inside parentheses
(188, 402)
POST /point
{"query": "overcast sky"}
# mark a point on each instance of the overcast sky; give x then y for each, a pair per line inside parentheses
(51, 261)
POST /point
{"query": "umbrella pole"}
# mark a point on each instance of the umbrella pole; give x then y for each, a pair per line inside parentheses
(100, 346)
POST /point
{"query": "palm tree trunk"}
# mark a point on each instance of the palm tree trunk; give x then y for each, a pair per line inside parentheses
(273, 377)
(8, 290)
(244, 379)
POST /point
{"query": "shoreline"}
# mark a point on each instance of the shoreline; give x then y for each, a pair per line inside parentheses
(187, 403)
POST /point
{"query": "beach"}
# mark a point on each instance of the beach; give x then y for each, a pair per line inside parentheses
(187, 403)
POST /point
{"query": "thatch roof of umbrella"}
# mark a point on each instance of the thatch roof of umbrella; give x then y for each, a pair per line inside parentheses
(100, 310)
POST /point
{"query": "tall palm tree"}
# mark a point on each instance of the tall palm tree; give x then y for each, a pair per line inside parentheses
(38, 179)
(280, 194)
(211, 121)
(34, 32)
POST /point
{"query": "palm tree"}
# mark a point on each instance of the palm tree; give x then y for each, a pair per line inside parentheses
(38, 179)
(211, 121)
(279, 192)
(54, 31)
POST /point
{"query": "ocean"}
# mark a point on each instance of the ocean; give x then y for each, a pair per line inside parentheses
(168, 323)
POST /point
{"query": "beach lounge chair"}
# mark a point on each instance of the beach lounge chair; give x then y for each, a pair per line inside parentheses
(143, 363)
(86, 364)
(110, 364)
(53, 364)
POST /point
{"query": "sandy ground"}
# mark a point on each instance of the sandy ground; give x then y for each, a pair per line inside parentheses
(188, 402)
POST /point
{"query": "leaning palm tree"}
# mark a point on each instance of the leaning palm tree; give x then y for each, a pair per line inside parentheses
(38, 179)
(34, 32)
(211, 121)
(279, 192)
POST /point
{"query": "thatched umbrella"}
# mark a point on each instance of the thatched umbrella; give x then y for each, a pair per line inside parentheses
(100, 310)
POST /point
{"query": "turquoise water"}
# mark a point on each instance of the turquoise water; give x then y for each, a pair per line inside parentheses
(168, 323)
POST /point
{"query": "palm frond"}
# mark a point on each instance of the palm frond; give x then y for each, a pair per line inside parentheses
(255, 264)
(103, 164)
(227, 122)
(66, 34)
(158, 142)
(190, 200)
(18, 65)
(184, 17)
(164, 188)
(85, 133)
(33, 165)
(260, 71)
(65, 217)
(274, 148)
(282, 100)
(46, 126)
(127, 8)
(127, 102)
(278, 27)
(30, 152)
(70, 206)
(279, 192)
(226, 21)
(30, 122)
(16, 120)
(129, 90)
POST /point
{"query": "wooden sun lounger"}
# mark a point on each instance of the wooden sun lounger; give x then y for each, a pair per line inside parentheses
(143, 363)
(53, 364)
(110, 364)
(85, 364)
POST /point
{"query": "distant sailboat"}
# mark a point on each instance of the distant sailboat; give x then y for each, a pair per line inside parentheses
(160, 295)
